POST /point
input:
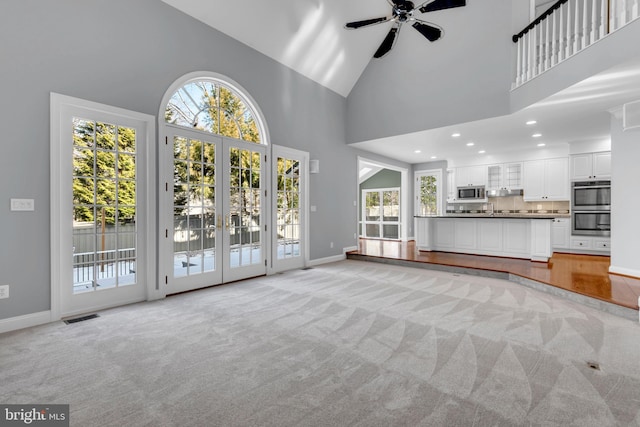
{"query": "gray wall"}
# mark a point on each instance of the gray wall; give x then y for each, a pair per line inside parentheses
(126, 54)
(424, 85)
(625, 203)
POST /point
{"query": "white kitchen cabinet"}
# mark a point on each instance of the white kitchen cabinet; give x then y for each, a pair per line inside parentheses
(465, 233)
(591, 166)
(517, 237)
(503, 237)
(471, 176)
(546, 180)
(591, 244)
(490, 235)
(444, 234)
(505, 176)
(561, 233)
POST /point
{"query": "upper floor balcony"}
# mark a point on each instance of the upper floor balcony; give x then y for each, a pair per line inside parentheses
(565, 29)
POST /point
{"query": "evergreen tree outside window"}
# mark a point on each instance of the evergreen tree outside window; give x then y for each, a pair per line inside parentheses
(210, 106)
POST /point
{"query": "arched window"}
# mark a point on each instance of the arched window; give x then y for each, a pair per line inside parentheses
(212, 106)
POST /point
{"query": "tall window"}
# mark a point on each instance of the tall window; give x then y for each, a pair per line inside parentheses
(210, 106)
(104, 205)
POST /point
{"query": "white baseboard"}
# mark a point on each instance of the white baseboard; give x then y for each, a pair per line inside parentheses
(26, 321)
(349, 249)
(624, 271)
(327, 260)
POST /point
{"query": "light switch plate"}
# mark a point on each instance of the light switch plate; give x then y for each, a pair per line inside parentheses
(4, 291)
(22, 205)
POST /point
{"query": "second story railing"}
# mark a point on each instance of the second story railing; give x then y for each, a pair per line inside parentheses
(565, 29)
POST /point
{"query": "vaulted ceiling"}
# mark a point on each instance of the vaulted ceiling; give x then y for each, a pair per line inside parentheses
(309, 37)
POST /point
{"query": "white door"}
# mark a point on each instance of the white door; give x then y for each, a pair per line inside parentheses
(428, 191)
(99, 205)
(213, 208)
(289, 201)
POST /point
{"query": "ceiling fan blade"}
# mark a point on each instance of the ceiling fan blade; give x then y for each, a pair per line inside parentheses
(388, 42)
(430, 31)
(441, 4)
(365, 22)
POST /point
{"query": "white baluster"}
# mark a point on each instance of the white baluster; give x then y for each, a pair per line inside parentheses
(613, 12)
(634, 9)
(561, 33)
(576, 35)
(532, 54)
(554, 37)
(585, 24)
(594, 21)
(518, 63)
(603, 17)
(544, 46)
(569, 27)
(623, 13)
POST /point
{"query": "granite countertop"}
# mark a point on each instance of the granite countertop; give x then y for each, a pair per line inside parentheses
(498, 216)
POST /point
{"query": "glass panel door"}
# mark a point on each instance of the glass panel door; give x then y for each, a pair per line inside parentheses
(244, 212)
(99, 194)
(381, 215)
(288, 175)
(195, 212)
(217, 203)
(104, 206)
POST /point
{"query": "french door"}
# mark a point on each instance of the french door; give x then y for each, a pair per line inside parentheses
(99, 206)
(289, 201)
(213, 210)
(381, 213)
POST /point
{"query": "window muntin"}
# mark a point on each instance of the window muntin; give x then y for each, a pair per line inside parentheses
(210, 106)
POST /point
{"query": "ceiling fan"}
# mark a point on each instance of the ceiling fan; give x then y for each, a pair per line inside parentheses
(402, 12)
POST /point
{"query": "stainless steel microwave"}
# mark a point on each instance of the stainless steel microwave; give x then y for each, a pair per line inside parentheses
(471, 193)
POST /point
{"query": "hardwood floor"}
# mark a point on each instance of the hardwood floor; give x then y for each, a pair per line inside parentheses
(581, 274)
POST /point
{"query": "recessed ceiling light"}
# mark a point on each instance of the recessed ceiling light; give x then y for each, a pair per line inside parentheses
(470, 144)
(481, 152)
(417, 151)
(536, 135)
(542, 144)
(455, 135)
(434, 157)
(531, 122)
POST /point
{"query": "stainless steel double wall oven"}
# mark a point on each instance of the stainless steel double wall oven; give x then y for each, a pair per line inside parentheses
(591, 208)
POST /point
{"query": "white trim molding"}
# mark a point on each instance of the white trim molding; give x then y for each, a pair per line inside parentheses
(26, 321)
(624, 271)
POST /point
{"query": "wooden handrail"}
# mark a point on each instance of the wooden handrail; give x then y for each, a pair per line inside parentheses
(539, 19)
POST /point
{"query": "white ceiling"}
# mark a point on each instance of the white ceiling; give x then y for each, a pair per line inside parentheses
(580, 113)
(305, 35)
(309, 36)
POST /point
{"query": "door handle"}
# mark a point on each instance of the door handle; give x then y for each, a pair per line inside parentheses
(219, 222)
(226, 221)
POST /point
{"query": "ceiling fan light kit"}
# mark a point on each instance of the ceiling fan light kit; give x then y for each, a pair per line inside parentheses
(402, 11)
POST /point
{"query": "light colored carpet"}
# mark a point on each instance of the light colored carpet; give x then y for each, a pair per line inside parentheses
(349, 343)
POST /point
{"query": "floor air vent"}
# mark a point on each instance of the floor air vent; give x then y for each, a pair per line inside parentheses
(81, 319)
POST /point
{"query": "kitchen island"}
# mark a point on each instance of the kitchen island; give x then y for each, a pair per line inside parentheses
(517, 236)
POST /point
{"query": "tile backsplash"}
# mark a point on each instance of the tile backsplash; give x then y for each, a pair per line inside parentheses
(513, 204)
